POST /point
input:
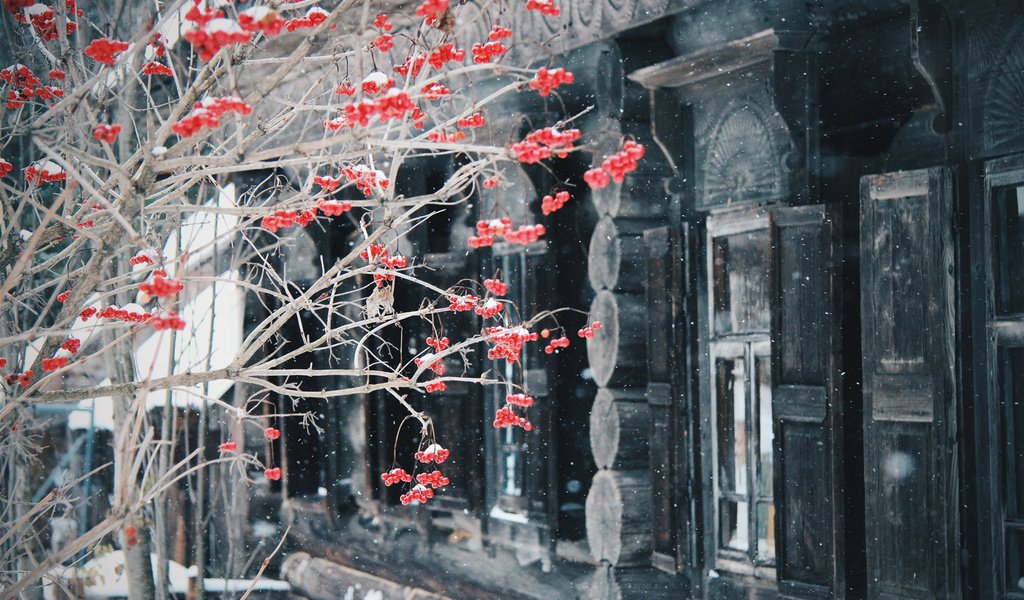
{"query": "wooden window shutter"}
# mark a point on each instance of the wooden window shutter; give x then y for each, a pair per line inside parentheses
(911, 483)
(807, 405)
(670, 315)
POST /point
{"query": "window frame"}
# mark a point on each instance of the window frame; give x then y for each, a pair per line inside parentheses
(746, 344)
(1005, 332)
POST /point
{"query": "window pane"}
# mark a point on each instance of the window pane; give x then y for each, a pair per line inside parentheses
(511, 473)
(1008, 241)
(735, 521)
(1011, 376)
(739, 275)
(766, 434)
(732, 425)
(765, 532)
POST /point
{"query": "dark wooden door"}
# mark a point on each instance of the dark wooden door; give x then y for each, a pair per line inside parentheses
(911, 497)
(806, 401)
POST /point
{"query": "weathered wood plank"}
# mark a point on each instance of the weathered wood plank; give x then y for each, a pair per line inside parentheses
(618, 517)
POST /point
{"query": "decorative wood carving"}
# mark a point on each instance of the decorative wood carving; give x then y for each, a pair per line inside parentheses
(1003, 110)
(742, 161)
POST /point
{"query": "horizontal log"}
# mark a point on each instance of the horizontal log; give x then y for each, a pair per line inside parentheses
(618, 517)
(618, 350)
(640, 195)
(636, 583)
(620, 424)
(617, 254)
(320, 579)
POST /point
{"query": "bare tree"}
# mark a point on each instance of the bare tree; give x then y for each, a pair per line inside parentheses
(158, 158)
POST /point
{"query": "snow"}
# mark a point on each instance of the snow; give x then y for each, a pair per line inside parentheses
(257, 13)
(377, 78)
(214, 332)
(37, 9)
(107, 577)
(225, 25)
(25, 235)
(498, 513)
(106, 574)
(159, 150)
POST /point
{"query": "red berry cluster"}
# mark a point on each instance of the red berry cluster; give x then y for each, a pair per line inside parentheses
(438, 344)
(142, 258)
(474, 120)
(491, 182)
(168, 320)
(395, 105)
(444, 137)
(588, 331)
(562, 342)
(419, 493)
(155, 68)
(431, 10)
(433, 453)
(365, 178)
(330, 208)
(63, 296)
(131, 536)
(496, 286)
(262, 19)
(44, 172)
(134, 315)
(490, 308)
(20, 76)
(435, 91)
(57, 362)
(433, 363)
(88, 313)
(273, 474)
(413, 65)
(5, 167)
(376, 83)
(508, 342)
(327, 183)
(43, 20)
(506, 417)
(207, 113)
(201, 16)
(462, 303)
(436, 386)
(546, 80)
(486, 231)
(550, 204)
(107, 133)
(24, 379)
(444, 54)
(314, 17)
(615, 166)
(596, 178)
(105, 50)
(392, 262)
(272, 433)
(499, 33)
(286, 218)
(433, 479)
(519, 400)
(345, 88)
(382, 23)
(214, 35)
(384, 42)
(544, 7)
(396, 475)
(161, 287)
(525, 234)
(373, 252)
(72, 345)
(485, 53)
(228, 447)
(543, 143)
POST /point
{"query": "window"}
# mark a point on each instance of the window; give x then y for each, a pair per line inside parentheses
(1006, 232)
(740, 411)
